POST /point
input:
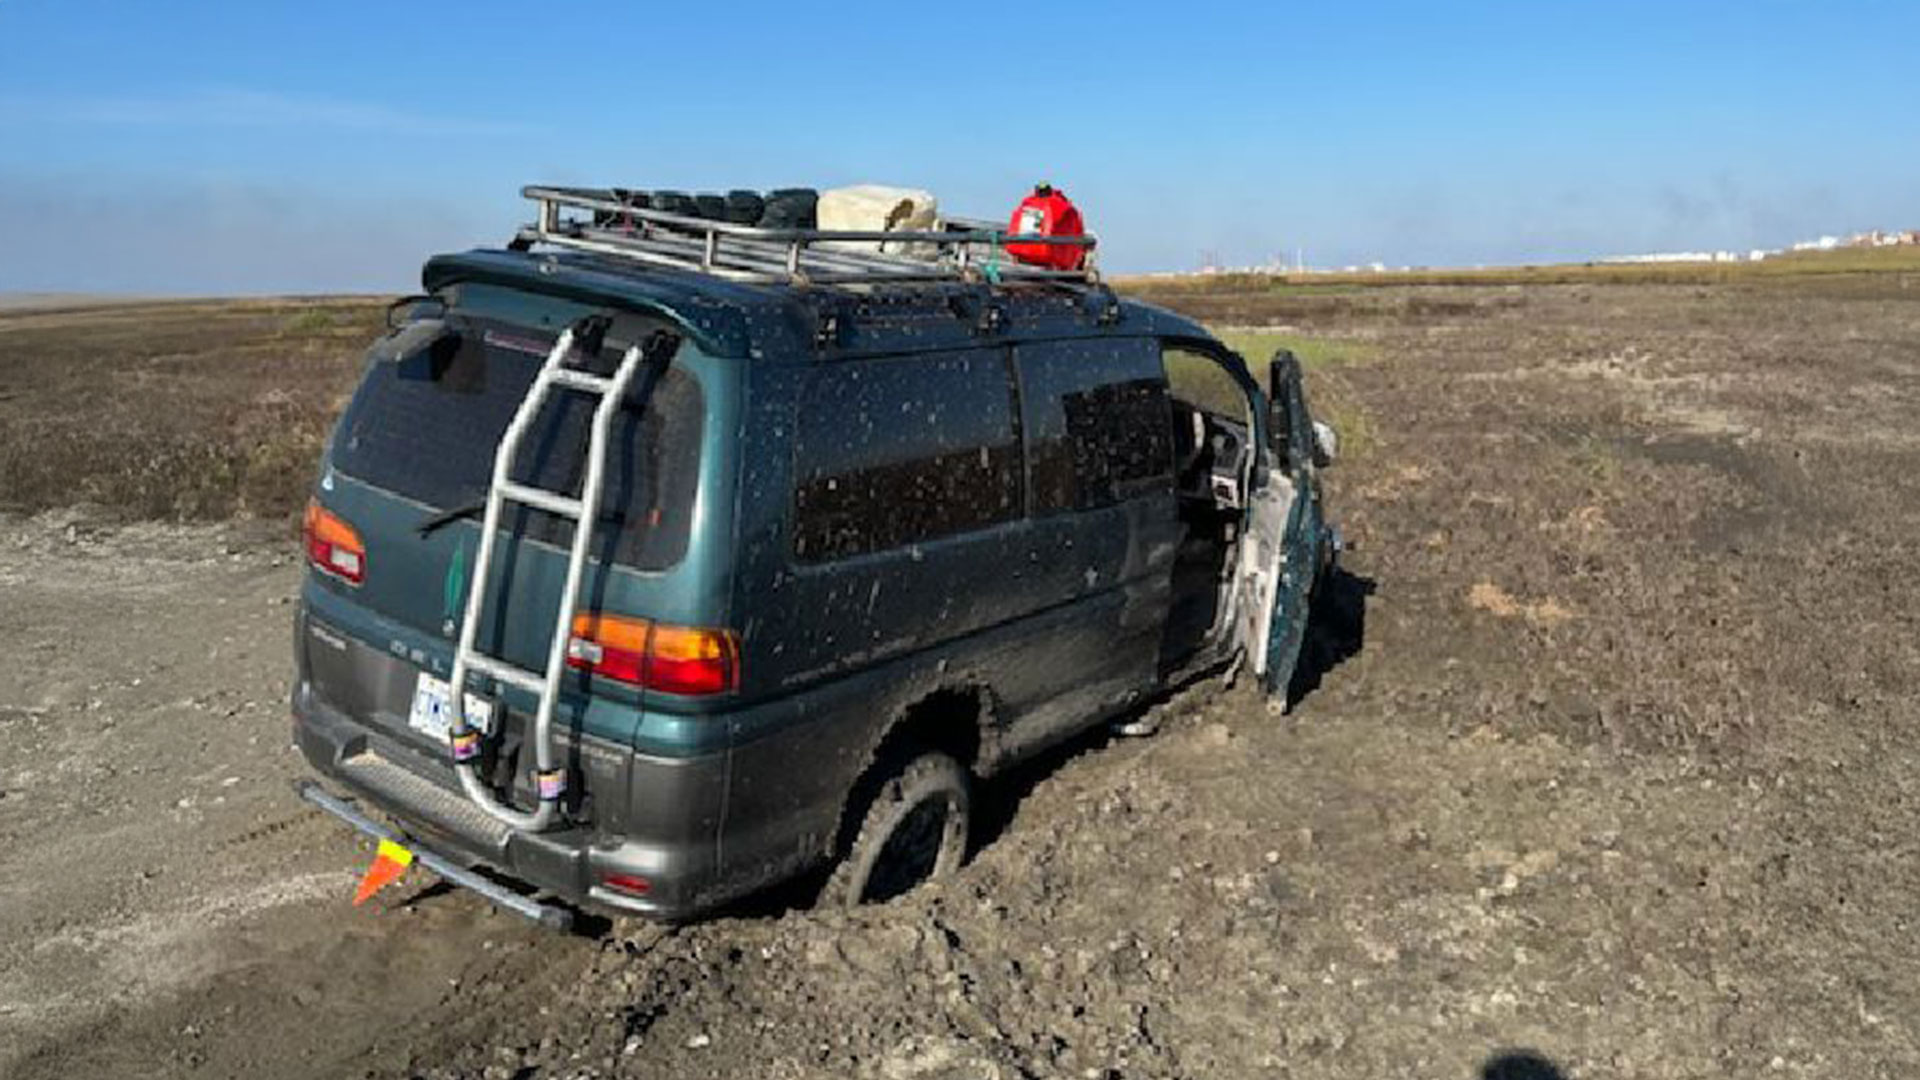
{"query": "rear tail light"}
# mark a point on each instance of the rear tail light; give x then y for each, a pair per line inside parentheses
(655, 656)
(333, 546)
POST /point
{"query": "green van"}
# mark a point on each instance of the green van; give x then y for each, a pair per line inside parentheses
(865, 528)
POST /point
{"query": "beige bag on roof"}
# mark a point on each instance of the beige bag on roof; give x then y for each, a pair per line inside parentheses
(877, 208)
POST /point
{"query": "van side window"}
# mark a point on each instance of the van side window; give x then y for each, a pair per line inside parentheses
(893, 452)
(1198, 380)
(1097, 422)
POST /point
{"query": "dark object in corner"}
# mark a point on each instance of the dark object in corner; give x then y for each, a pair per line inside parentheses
(1521, 1065)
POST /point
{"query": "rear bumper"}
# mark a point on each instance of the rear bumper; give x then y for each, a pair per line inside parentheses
(421, 796)
(552, 916)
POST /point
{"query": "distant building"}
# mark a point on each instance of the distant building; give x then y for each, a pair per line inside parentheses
(1676, 257)
(1825, 243)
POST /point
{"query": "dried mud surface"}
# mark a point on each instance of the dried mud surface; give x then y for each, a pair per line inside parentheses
(1610, 757)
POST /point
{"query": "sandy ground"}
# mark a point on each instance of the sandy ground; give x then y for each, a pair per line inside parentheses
(1611, 760)
(165, 901)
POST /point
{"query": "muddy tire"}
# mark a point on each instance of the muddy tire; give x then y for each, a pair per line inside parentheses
(913, 828)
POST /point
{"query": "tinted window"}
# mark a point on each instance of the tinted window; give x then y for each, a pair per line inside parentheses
(891, 452)
(426, 428)
(1097, 422)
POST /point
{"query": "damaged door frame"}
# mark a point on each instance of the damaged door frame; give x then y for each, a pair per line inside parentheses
(1268, 572)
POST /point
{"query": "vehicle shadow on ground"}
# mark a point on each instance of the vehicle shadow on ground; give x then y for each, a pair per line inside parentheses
(1336, 629)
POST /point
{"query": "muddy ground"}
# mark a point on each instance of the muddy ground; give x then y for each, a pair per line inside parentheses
(1615, 764)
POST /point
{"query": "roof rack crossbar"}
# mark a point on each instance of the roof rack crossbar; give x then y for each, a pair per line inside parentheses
(964, 250)
(782, 255)
(754, 263)
(741, 262)
(743, 266)
(760, 262)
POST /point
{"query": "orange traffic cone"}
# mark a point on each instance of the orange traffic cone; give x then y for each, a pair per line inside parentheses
(389, 863)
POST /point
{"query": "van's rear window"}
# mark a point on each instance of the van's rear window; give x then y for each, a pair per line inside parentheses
(426, 428)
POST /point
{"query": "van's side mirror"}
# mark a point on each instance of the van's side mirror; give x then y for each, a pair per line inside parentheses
(1283, 392)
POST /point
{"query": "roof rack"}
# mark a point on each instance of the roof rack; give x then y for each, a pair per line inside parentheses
(970, 251)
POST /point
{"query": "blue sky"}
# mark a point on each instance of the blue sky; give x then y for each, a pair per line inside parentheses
(261, 146)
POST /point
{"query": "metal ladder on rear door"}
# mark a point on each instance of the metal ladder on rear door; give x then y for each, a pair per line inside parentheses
(550, 778)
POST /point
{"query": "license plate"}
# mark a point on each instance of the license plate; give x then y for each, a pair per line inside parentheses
(431, 714)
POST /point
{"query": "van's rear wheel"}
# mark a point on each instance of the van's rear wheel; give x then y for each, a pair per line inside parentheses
(913, 828)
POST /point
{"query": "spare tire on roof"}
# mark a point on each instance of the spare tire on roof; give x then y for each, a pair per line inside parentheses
(745, 207)
(674, 202)
(626, 197)
(602, 217)
(791, 208)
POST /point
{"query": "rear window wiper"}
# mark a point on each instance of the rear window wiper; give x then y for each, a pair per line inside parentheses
(449, 516)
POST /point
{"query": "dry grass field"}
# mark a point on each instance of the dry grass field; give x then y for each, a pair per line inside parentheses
(173, 410)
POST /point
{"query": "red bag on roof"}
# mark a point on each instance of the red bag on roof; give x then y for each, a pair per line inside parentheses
(1047, 212)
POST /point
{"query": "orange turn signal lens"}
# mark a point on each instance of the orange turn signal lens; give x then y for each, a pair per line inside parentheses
(656, 656)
